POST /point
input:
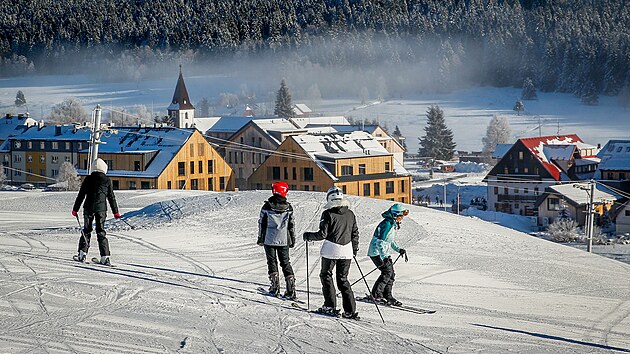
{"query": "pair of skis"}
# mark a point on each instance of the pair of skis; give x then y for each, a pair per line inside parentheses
(94, 261)
(412, 309)
(296, 303)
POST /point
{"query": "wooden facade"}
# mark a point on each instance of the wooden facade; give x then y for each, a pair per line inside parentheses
(370, 176)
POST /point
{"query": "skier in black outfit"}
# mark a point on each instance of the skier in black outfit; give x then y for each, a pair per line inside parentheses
(338, 228)
(276, 232)
(97, 190)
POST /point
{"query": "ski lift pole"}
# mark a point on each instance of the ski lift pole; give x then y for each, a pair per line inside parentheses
(368, 287)
(308, 290)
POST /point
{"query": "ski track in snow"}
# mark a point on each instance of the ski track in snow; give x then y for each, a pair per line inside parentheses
(187, 282)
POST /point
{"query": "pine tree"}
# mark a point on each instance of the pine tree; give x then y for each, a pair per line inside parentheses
(20, 100)
(203, 108)
(438, 140)
(519, 107)
(67, 173)
(284, 107)
(399, 137)
(529, 91)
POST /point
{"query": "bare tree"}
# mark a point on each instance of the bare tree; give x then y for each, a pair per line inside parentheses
(3, 176)
(68, 111)
(68, 174)
(498, 132)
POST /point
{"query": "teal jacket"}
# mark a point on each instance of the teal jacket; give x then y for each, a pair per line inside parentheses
(383, 240)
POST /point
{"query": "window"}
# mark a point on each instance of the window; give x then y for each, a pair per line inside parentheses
(181, 168)
(515, 169)
(402, 186)
(622, 175)
(222, 183)
(389, 187)
(29, 144)
(66, 159)
(515, 190)
(293, 187)
(210, 184)
(55, 159)
(362, 169)
(627, 212)
(506, 190)
(145, 185)
(230, 157)
(200, 165)
(387, 166)
(116, 184)
(79, 146)
(286, 173)
(344, 189)
(169, 185)
(191, 149)
(200, 149)
(29, 158)
(259, 142)
(308, 173)
(496, 190)
(210, 167)
(525, 170)
(305, 187)
(526, 190)
(18, 144)
(192, 167)
(610, 175)
(520, 155)
(294, 172)
(55, 173)
(619, 149)
(194, 184)
(181, 184)
(136, 166)
(42, 145)
(242, 140)
(42, 158)
(377, 188)
(17, 158)
(242, 157)
(346, 170)
(55, 145)
(43, 172)
(275, 172)
(628, 149)
(366, 189)
(67, 145)
(536, 191)
(553, 204)
(505, 170)
(132, 184)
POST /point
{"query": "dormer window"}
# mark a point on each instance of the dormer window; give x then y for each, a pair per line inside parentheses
(184, 101)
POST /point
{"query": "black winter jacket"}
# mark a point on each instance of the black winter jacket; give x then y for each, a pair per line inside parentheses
(276, 226)
(96, 189)
(337, 225)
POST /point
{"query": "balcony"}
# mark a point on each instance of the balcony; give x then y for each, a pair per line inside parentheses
(516, 198)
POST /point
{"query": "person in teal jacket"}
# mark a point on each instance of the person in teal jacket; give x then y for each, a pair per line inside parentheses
(381, 245)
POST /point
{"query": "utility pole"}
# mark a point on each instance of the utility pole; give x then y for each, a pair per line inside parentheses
(96, 137)
(589, 248)
(458, 201)
(444, 175)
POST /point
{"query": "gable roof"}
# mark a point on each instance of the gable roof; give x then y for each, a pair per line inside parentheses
(180, 100)
(578, 197)
(615, 155)
(543, 145)
(301, 108)
(14, 125)
(331, 120)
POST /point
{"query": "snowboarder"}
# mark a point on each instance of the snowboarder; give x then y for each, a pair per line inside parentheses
(97, 190)
(338, 228)
(276, 232)
(382, 242)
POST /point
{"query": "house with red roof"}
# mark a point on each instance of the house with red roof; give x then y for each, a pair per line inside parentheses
(533, 164)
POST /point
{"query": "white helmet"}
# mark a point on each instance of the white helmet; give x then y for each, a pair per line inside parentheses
(334, 193)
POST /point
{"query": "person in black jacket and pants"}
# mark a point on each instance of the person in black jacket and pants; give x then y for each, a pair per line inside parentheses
(97, 190)
(338, 228)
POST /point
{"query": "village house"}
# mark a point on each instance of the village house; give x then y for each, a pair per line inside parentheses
(566, 200)
(11, 125)
(532, 164)
(615, 161)
(355, 162)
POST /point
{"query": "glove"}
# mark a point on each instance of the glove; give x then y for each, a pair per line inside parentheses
(291, 244)
(74, 213)
(116, 216)
(387, 260)
(260, 243)
(305, 236)
(402, 252)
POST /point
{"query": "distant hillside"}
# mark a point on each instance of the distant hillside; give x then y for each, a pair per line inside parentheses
(578, 46)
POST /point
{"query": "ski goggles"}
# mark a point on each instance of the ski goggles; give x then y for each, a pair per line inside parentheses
(403, 213)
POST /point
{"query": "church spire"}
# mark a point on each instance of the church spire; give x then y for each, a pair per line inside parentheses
(181, 109)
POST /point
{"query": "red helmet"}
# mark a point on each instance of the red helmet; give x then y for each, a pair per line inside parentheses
(280, 188)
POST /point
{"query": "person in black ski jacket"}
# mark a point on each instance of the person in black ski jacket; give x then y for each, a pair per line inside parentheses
(97, 190)
(276, 232)
(338, 228)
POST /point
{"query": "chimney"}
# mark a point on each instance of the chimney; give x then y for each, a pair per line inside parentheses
(57, 130)
(599, 146)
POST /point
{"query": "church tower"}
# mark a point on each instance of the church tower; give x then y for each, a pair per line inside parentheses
(181, 111)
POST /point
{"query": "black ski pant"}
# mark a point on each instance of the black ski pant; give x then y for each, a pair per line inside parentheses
(385, 282)
(328, 288)
(281, 253)
(84, 240)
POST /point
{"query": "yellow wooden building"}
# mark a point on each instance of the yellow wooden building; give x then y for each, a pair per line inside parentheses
(162, 158)
(355, 162)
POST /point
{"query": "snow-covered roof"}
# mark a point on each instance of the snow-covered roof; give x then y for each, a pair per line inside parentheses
(55, 132)
(500, 150)
(615, 155)
(330, 147)
(275, 127)
(332, 120)
(540, 146)
(164, 142)
(578, 196)
(586, 161)
(558, 152)
(301, 108)
(14, 125)
(230, 124)
(205, 123)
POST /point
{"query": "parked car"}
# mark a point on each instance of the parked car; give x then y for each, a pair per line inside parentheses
(27, 186)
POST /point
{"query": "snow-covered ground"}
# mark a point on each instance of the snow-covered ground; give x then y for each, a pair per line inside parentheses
(467, 111)
(187, 274)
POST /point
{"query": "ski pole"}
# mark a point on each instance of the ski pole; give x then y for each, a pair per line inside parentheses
(370, 272)
(82, 232)
(128, 224)
(308, 290)
(368, 288)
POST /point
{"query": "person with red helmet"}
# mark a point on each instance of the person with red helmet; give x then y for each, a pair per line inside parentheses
(276, 232)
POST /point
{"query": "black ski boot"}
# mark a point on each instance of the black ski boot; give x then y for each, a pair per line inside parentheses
(329, 311)
(290, 292)
(274, 289)
(351, 315)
